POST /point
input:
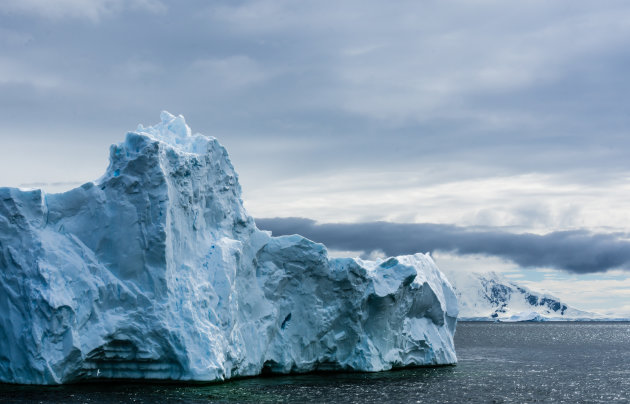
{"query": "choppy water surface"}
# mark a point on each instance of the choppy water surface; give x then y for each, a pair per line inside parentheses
(523, 362)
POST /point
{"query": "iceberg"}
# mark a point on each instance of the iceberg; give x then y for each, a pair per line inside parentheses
(156, 271)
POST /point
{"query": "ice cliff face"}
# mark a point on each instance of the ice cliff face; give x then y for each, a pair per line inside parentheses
(155, 271)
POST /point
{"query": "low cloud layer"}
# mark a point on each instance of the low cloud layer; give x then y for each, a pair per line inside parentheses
(576, 251)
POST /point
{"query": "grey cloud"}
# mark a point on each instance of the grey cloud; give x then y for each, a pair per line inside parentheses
(574, 251)
(93, 10)
(444, 87)
(458, 89)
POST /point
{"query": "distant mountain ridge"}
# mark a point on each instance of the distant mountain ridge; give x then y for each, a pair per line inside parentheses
(492, 297)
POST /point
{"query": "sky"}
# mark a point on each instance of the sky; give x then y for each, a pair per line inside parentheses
(493, 134)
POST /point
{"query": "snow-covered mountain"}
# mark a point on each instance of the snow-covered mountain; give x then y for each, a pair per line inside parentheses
(491, 296)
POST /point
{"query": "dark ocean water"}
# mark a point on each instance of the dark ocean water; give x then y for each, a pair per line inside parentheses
(501, 363)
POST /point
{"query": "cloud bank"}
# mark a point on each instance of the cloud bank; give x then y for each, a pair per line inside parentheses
(456, 88)
(577, 251)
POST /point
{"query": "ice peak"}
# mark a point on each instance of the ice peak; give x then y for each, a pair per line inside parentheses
(174, 131)
(166, 117)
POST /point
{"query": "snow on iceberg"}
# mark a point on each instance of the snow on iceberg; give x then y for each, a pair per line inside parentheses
(155, 271)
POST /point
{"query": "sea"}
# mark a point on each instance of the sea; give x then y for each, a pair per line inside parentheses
(555, 362)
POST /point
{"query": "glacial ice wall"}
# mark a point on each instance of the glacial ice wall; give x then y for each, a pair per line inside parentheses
(156, 271)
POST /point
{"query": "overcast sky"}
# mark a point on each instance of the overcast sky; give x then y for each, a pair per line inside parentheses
(479, 116)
